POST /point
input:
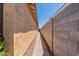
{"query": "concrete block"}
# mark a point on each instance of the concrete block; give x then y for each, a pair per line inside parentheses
(71, 9)
(78, 26)
(72, 48)
(57, 49)
(56, 52)
(59, 28)
(65, 27)
(60, 50)
(63, 20)
(64, 50)
(72, 44)
(64, 35)
(72, 52)
(71, 26)
(69, 47)
(74, 16)
(74, 36)
(77, 48)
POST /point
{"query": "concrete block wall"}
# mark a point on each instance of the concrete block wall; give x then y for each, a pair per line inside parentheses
(46, 32)
(18, 28)
(65, 34)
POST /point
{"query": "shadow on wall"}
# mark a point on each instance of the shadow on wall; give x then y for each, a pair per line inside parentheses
(18, 28)
(46, 48)
(30, 49)
(47, 35)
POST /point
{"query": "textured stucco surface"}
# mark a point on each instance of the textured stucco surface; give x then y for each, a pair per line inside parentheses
(18, 28)
(22, 41)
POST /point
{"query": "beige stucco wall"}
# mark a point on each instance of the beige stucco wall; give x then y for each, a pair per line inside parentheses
(22, 41)
(18, 28)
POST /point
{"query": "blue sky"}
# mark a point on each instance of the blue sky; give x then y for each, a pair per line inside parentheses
(45, 11)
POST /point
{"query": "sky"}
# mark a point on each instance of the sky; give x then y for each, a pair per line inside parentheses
(45, 11)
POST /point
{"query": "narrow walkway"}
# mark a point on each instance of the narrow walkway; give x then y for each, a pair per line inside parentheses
(37, 47)
(45, 48)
